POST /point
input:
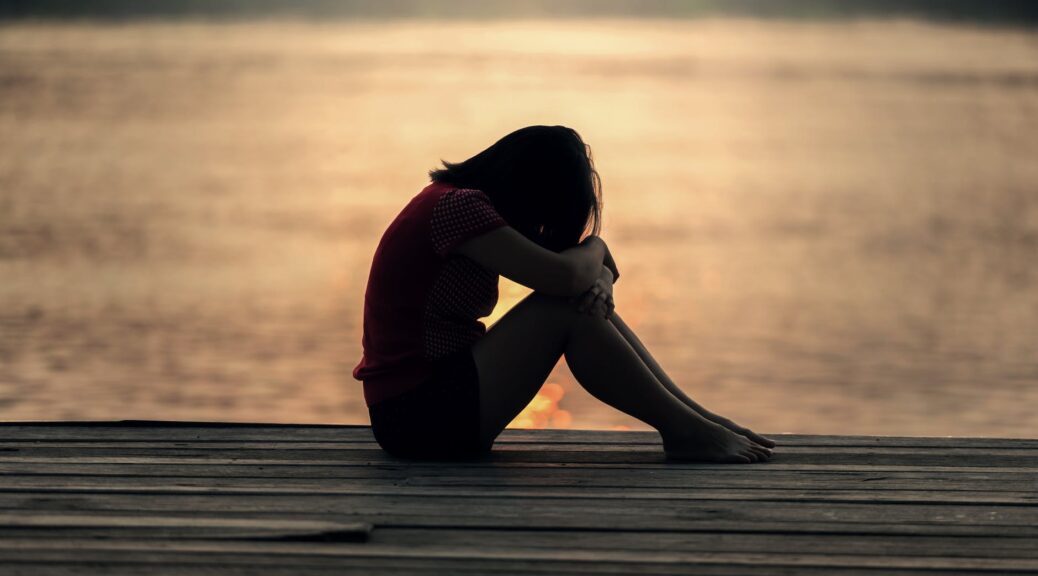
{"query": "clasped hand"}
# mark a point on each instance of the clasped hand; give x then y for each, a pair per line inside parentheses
(598, 299)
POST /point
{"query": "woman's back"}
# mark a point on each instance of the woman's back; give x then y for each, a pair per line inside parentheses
(422, 303)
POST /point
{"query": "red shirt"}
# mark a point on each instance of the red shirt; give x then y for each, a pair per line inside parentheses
(422, 304)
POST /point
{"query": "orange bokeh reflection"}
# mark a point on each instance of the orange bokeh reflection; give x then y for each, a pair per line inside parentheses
(543, 411)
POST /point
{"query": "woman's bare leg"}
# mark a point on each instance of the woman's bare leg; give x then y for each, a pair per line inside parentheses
(516, 355)
(664, 379)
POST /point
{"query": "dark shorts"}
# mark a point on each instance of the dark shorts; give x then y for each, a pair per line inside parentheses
(439, 419)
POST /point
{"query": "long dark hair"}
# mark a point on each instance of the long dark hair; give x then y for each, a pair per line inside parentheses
(541, 179)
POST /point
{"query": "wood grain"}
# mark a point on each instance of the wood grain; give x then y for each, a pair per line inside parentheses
(209, 498)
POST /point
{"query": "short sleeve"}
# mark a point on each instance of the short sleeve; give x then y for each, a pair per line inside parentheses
(461, 214)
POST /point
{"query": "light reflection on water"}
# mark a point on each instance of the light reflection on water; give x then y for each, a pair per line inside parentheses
(821, 227)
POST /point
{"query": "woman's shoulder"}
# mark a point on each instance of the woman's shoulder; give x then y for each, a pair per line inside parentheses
(460, 213)
(438, 189)
(444, 197)
(441, 201)
(427, 198)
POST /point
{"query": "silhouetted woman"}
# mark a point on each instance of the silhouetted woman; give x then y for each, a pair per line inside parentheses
(438, 384)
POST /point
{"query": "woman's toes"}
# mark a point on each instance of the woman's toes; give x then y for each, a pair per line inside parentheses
(756, 437)
(760, 453)
(766, 442)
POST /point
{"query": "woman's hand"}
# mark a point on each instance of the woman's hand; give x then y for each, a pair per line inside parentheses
(599, 298)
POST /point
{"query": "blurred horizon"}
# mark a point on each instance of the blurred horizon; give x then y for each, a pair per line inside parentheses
(997, 12)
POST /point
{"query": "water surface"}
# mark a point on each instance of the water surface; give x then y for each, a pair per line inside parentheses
(822, 228)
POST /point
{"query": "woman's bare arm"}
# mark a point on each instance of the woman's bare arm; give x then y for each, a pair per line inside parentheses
(507, 252)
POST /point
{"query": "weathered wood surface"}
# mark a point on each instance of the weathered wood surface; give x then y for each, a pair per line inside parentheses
(188, 498)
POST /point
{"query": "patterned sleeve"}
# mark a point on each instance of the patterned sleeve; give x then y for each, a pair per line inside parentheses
(461, 214)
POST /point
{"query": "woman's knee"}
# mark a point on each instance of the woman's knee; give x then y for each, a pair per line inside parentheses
(539, 317)
(567, 308)
(561, 304)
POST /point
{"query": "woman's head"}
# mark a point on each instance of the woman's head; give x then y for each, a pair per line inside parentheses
(541, 179)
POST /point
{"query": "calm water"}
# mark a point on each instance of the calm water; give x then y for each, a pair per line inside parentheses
(821, 227)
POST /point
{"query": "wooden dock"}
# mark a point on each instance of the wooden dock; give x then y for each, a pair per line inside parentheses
(209, 499)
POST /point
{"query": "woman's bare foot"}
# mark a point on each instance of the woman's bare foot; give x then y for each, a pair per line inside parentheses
(714, 443)
(742, 430)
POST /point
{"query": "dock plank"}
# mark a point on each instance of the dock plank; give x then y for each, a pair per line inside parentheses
(132, 431)
(245, 487)
(214, 498)
(258, 553)
(570, 454)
